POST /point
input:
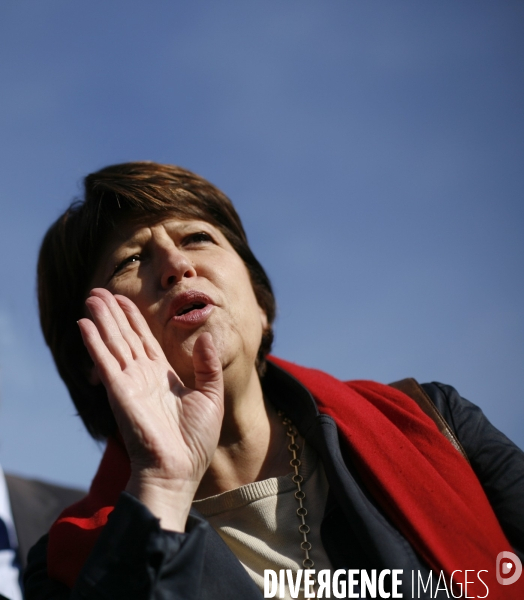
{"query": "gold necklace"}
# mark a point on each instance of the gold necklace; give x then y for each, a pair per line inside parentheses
(300, 495)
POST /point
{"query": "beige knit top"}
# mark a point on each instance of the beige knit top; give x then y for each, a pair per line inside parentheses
(259, 523)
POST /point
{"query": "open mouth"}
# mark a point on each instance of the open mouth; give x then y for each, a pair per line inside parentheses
(190, 307)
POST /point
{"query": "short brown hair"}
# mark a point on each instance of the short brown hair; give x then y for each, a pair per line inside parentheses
(137, 191)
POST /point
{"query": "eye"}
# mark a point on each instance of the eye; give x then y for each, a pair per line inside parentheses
(125, 262)
(199, 237)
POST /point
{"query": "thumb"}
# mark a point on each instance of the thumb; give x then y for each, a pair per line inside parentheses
(208, 370)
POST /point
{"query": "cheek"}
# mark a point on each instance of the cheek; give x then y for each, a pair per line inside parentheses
(135, 290)
(252, 318)
(137, 293)
(127, 285)
(152, 318)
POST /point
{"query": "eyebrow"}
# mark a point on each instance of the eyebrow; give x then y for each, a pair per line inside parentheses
(134, 238)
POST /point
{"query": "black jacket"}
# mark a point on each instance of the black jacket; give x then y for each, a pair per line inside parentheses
(134, 558)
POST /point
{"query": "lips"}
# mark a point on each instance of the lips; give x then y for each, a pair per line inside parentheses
(191, 308)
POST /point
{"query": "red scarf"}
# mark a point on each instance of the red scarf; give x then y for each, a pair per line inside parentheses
(420, 481)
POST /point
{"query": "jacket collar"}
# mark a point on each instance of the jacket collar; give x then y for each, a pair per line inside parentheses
(289, 395)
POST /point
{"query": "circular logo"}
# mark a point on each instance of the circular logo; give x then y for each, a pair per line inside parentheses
(509, 568)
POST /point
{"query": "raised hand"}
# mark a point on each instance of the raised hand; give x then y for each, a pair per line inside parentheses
(170, 431)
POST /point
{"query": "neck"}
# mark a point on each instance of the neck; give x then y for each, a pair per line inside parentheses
(252, 445)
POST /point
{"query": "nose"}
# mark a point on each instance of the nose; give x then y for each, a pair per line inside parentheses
(175, 267)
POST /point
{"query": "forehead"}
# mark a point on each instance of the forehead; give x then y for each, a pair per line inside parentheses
(141, 230)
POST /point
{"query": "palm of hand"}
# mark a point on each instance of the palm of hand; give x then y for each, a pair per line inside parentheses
(170, 431)
(167, 427)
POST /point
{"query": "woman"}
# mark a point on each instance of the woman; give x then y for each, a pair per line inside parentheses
(293, 469)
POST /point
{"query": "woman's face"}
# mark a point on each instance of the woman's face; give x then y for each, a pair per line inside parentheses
(186, 278)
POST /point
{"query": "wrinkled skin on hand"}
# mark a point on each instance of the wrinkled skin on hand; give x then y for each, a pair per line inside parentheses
(170, 431)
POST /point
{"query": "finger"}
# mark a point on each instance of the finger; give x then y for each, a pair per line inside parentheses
(106, 365)
(109, 330)
(120, 318)
(208, 370)
(140, 327)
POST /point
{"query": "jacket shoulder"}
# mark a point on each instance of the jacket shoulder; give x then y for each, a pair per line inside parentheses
(496, 460)
(35, 506)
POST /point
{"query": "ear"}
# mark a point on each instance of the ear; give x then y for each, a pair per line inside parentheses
(263, 318)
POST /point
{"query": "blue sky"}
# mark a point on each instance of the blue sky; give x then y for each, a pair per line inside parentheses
(374, 150)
